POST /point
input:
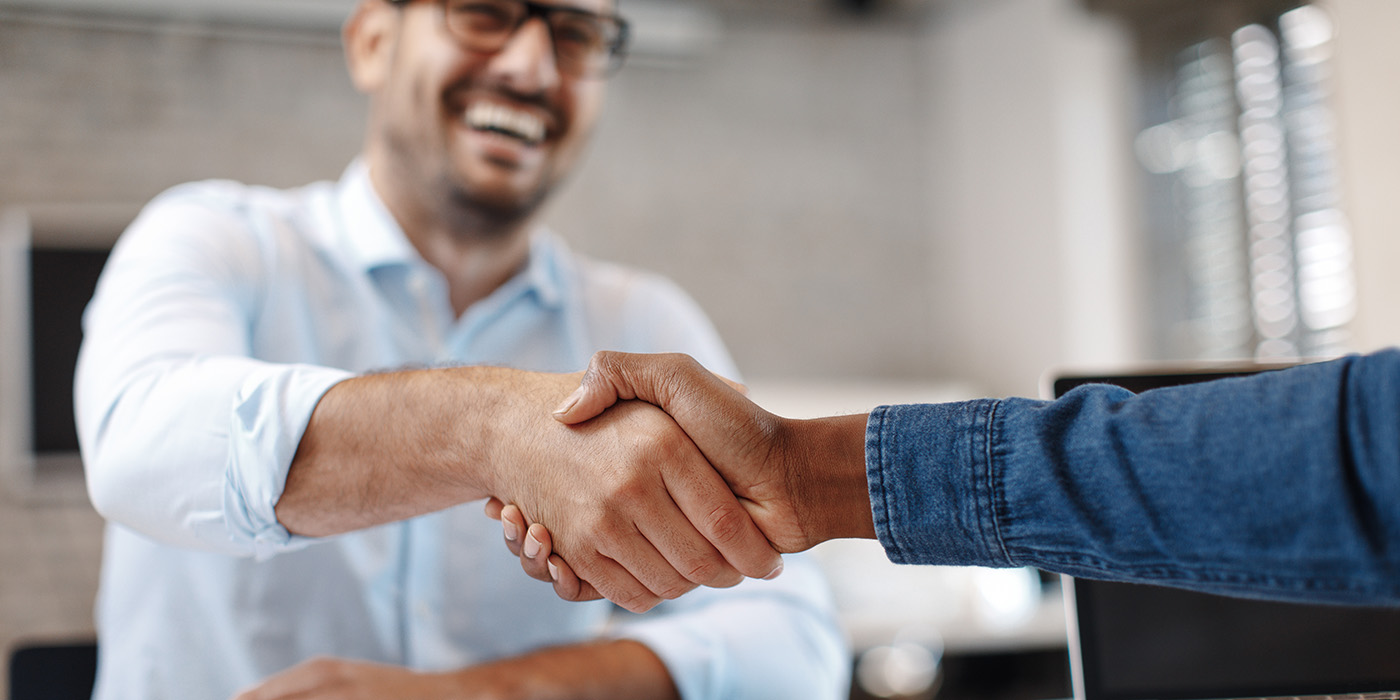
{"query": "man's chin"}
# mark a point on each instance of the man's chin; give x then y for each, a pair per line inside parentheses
(496, 209)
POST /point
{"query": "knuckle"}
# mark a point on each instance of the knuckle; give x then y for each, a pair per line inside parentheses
(727, 525)
(687, 362)
(604, 358)
(665, 446)
(597, 363)
(602, 526)
(631, 492)
(573, 594)
(728, 579)
(622, 496)
(609, 365)
(637, 601)
(538, 573)
(704, 571)
(675, 590)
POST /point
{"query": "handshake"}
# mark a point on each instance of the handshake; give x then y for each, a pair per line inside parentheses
(712, 489)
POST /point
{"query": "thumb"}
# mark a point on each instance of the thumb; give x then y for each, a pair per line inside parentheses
(588, 400)
(617, 376)
(712, 410)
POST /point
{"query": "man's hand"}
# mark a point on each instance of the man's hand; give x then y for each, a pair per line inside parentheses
(630, 501)
(533, 544)
(611, 670)
(803, 482)
(338, 679)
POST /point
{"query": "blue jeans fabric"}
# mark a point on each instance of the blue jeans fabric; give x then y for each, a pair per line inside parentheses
(1283, 485)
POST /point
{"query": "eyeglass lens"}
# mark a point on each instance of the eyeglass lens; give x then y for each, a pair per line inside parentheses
(584, 43)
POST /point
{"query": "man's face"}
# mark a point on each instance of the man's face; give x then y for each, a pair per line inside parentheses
(491, 132)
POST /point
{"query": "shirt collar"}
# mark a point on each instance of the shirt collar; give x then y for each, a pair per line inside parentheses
(371, 236)
(374, 240)
(547, 270)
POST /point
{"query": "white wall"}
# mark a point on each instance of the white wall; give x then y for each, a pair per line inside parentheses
(782, 180)
(1034, 256)
(1368, 116)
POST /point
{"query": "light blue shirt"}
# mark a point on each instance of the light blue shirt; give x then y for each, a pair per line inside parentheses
(224, 313)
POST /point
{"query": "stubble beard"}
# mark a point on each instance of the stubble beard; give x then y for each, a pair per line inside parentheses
(473, 215)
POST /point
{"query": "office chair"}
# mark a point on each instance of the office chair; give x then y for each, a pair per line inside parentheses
(53, 671)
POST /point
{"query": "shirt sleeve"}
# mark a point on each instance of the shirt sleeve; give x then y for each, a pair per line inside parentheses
(186, 438)
(1280, 485)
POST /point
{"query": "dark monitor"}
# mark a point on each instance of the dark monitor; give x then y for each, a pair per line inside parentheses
(1140, 642)
(47, 276)
(61, 281)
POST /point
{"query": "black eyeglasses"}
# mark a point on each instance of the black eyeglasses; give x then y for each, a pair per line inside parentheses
(586, 44)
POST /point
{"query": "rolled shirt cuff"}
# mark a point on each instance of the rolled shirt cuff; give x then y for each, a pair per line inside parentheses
(270, 414)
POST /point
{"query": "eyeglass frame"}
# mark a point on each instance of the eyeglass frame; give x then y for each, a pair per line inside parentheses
(617, 48)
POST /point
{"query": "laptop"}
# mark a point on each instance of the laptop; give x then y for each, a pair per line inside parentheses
(1139, 642)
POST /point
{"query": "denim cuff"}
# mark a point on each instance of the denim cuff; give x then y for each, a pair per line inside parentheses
(929, 470)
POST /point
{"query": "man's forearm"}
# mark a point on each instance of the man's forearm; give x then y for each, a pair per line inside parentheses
(387, 447)
(628, 496)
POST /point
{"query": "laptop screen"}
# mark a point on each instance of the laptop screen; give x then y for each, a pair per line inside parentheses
(1137, 642)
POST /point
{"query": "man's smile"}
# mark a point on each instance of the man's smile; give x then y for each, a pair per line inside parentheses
(497, 118)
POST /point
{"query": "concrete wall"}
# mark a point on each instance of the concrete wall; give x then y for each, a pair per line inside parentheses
(113, 112)
(781, 177)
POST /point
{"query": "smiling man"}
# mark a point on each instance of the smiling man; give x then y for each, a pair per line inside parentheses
(286, 516)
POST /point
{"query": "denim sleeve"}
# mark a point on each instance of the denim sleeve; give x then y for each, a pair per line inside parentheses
(1282, 485)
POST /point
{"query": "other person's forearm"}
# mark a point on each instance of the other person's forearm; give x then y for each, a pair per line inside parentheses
(827, 458)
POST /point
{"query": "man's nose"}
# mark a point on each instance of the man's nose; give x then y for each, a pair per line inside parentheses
(527, 61)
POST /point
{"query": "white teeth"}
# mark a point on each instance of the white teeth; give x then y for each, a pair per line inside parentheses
(496, 117)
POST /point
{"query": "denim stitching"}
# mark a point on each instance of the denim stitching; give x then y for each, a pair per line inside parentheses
(997, 504)
(878, 437)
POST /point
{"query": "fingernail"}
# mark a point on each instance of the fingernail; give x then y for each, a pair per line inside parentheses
(777, 571)
(512, 530)
(553, 570)
(532, 546)
(570, 402)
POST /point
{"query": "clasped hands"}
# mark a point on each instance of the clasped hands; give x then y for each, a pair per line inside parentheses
(760, 486)
(654, 477)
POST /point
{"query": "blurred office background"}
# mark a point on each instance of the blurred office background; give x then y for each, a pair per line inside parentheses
(877, 201)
